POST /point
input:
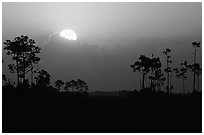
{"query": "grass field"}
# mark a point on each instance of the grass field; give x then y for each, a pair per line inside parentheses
(51, 113)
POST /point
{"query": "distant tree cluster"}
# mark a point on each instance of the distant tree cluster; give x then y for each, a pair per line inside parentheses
(151, 71)
(72, 86)
(150, 68)
(153, 77)
(42, 79)
(24, 53)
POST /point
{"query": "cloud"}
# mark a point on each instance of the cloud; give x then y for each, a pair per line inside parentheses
(50, 37)
(96, 45)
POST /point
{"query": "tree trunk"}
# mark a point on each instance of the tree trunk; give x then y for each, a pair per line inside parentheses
(198, 83)
(194, 74)
(143, 80)
(140, 84)
(167, 76)
(156, 87)
(194, 79)
(17, 70)
(146, 81)
(170, 82)
(31, 75)
(184, 91)
(23, 68)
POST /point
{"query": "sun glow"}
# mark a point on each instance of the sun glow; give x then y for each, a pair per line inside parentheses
(68, 34)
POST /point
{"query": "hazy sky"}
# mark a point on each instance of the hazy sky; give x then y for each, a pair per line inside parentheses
(111, 36)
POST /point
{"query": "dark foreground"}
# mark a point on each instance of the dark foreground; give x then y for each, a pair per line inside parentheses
(50, 112)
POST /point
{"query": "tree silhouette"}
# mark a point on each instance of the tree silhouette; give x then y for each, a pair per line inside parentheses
(198, 73)
(76, 85)
(168, 69)
(150, 67)
(7, 81)
(196, 45)
(12, 48)
(182, 73)
(33, 59)
(197, 69)
(58, 84)
(23, 52)
(43, 79)
(152, 77)
(72, 85)
(81, 86)
(67, 86)
(4, 77)
(156, 73)
(143, 66)
(159, 79)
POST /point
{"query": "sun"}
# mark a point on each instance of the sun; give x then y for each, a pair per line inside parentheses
(68, 34)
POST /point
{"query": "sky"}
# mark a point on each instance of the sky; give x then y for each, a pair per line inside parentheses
(110, 37)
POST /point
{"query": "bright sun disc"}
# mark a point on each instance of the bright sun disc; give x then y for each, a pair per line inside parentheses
(68, 34)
